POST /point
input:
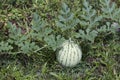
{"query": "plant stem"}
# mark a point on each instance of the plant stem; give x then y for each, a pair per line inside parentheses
(40, 48)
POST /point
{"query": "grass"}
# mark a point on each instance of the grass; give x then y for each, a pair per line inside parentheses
(100, 61)
(102, 65)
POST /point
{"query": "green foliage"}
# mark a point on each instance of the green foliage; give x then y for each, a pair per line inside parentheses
(109, 10)
(37, 23)
(12, 71)
(108, 28)
(22, 43)
(14, 32)
(88, 35)
(67, 21)
(5, 47)
(36, 28)
(53, 41)
(43, 33)
(89, 16)
(90, 20)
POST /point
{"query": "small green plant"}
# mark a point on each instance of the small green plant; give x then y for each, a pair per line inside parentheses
(67, 22)
(109, 10)
(21, 43)
(5, 47)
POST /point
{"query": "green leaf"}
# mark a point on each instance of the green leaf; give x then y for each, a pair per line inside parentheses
(66, 20)
(54, 41)
(88, 35)
(50, 40)
(108, 28)
(59, 40)
(89, 16)
(5, 46)
(61, 18)
(110, 10)
(28, 47)
(37, 23)
(65, 8)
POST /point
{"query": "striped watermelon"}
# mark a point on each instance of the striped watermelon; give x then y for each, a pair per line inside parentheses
(69, 54)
